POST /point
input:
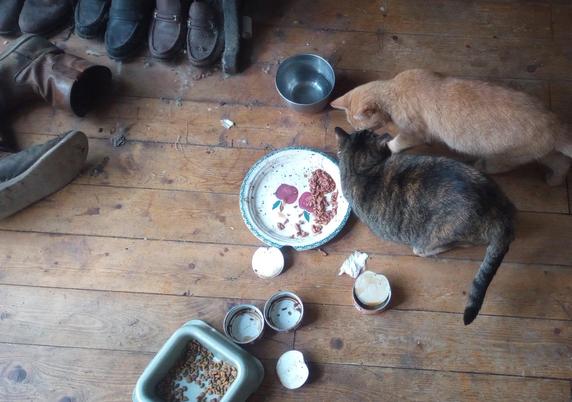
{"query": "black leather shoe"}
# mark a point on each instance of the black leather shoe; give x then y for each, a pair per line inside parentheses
(127, 27)
(9, 12)
(42, 17)
(91, 17)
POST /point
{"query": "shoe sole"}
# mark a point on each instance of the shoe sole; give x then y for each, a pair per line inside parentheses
(51, 172)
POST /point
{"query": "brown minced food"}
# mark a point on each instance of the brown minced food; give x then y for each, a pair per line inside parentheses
(197, 366)
(321, 183)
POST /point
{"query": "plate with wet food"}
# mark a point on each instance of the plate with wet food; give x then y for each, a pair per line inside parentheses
(292, 197)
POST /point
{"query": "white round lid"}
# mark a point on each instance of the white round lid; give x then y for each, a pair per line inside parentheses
(292, 369)
(267, 262)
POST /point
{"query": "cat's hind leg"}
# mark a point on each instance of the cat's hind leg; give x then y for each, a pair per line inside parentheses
(434, 249)
(558, 165)
(404, 141)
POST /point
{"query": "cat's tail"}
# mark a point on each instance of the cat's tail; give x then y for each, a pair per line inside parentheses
(495, 253)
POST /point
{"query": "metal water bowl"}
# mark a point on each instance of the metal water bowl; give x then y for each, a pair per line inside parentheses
(305, 82)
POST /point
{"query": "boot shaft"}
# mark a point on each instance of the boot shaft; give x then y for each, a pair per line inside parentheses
(35, 68)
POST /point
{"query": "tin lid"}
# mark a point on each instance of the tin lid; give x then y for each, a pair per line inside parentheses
(292, 370)
(284, 311)
(371, 289)
(244, 323)
(267, 262)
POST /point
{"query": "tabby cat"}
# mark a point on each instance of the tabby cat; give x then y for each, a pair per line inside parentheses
(431, 203)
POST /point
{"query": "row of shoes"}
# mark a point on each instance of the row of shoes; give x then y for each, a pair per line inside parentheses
(169, 25)
(125, 23)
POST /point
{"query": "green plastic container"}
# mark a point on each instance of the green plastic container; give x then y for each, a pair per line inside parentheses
(250, 372)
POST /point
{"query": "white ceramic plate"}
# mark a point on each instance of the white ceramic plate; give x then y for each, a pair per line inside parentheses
(274, 220)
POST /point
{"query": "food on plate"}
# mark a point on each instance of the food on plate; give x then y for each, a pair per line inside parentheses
(321, 183)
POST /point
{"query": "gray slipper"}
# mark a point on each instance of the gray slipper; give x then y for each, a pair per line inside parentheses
(35, 173)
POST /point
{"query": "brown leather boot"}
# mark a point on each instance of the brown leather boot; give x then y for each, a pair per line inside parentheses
(33, 67)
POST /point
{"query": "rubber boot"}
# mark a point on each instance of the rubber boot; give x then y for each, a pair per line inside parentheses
(32, 174)
(33, 67)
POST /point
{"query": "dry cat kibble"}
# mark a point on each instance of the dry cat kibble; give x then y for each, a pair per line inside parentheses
(198, 367)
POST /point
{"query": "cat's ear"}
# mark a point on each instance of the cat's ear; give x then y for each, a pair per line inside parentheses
(366, 110)
(340, 103)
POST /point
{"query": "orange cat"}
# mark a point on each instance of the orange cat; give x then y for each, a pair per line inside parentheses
(503, 127)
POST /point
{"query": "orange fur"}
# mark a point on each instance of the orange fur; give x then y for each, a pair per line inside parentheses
(503, 127)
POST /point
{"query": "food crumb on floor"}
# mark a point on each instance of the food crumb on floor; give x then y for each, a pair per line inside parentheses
(226, 123)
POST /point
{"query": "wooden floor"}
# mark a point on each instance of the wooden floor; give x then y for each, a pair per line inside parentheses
(96, 277)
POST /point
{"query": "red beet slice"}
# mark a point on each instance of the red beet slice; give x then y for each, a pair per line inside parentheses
(287, 193)
(305, 202)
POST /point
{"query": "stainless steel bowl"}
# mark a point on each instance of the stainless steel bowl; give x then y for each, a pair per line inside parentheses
(305, 82)
(284, 311)
(244, 324)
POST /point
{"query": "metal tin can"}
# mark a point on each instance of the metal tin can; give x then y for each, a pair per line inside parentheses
(244, 324)
(365, 309)
(284, 311)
